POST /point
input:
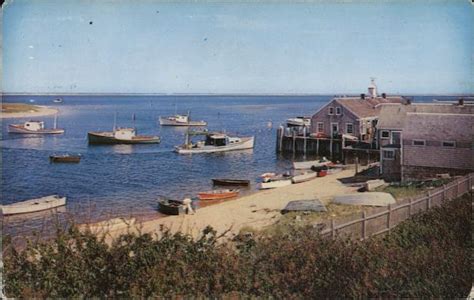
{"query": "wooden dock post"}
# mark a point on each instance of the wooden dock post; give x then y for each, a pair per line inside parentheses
(317, 146)
(294, 141)
(281, 133)
(330, 148)
(304, 140)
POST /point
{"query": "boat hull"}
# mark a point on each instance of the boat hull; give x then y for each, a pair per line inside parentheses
(12, 128)
(304, 177)
(170, 207)
(65, 159)
(34, 205)
(230, 182)
(108, 138)
(247, 143)
(218, 195)
(166, 122)
(308, 164)
(274, 184)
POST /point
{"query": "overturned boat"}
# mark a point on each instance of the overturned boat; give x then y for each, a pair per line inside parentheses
(33, 205)
(230, 182)
(214, 142)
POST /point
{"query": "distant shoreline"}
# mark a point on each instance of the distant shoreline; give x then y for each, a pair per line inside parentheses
(224, 94)
(11, 111)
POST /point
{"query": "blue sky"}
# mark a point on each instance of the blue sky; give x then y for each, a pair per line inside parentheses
(323, 47)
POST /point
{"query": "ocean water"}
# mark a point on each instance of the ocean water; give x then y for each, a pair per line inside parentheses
(123, 180)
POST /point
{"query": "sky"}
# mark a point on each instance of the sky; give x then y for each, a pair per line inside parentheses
(319, 47)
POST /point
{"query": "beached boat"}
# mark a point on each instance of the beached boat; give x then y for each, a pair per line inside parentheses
(274, 177)
(304, 177)
(65, 158)
(272, 184)
(180, 120)
(308, 164)
(170, 207)
(218, 194)
(121, 136)
(232, 182)
(34, 127)
(215, 142)
(299, 121)
(33, 205)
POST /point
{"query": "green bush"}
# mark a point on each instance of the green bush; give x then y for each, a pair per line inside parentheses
(426, 256)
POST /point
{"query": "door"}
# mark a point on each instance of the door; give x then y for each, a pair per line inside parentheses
(334, 129)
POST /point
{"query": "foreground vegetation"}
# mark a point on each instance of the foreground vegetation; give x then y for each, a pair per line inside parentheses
(427, 256)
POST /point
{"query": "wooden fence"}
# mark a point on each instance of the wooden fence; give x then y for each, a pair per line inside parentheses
(382, 220)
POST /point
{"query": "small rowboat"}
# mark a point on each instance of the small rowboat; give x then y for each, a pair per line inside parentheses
(274, 184)
(218, 194)
(33, 205)
(170, 207)
(304, 177)
(65, 158)
(222, 181)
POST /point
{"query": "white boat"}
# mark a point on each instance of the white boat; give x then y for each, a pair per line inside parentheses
(58, 100)
(302, 165)
(299, 121)
(304, 177)
(33, 205)
(34, 127)
(215, 142)
(180, 120)
(274, 184)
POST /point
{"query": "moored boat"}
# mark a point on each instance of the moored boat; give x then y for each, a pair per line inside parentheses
(33, 127)
(34, 205)
(180, 120)
(58, 100)
(272, 184)
(304, 177)
(231, 182)
(65, 158)
(121, 136)
(218, 194)
(215, 142)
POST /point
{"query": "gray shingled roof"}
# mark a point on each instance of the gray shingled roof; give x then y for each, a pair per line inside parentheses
(368, 107)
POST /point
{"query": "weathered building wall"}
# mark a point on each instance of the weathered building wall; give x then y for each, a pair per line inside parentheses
(438, 157)
(391, 169)
(345, 117)
(418, 173)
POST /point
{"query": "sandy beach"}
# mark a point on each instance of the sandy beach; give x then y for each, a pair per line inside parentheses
(25, 111)
(256, 210)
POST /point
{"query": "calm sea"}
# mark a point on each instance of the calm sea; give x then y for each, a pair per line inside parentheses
(127, 179)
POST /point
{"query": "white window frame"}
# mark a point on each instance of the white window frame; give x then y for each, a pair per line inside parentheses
(331, 110)
(322, 126)
(453, 142)
(382, 132)
(388, 158)
(338, 111)
(413, 143)
(347, 131)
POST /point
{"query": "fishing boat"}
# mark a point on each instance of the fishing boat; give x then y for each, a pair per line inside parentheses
(180, 120)
(65, 158)
(308, 164)
(218, 194)
(121, 136)
(214, 142)
(299, 121)
(272, 184)
(170, 207)
(58, 100)
(232, 182)
(34, 205)
(304, 177)
(34, 127)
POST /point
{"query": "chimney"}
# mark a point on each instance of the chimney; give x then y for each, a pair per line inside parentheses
(384, 96)
(362, 96)
(461, 101)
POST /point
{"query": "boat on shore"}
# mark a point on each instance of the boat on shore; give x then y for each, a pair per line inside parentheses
(33, 205)
(214, 142)
(304, 177)
(180, 120)
(170, 207)
(34, 127)
(312, 163)
(230, 182)
(121, 136)
(272, 184)
(218, 194)
(298, 122)
(65, 158)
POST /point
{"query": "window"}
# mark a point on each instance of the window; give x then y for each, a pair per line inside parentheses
(449, 144)
(331, 110)
(388, 154)
(338, 110)
(418, 142)
(385, 134)
(320, 127)
(349, 128)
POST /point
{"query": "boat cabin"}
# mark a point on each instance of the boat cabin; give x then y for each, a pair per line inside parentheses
(34, 125)
(124, 133)
(180, 119)
(220, 140)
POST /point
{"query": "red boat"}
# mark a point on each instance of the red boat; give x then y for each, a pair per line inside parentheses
(218, 194)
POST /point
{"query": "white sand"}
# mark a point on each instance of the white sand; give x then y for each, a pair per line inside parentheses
(257, 210)
(43, 111)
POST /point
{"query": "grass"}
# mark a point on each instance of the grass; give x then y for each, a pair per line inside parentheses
(18, 108)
